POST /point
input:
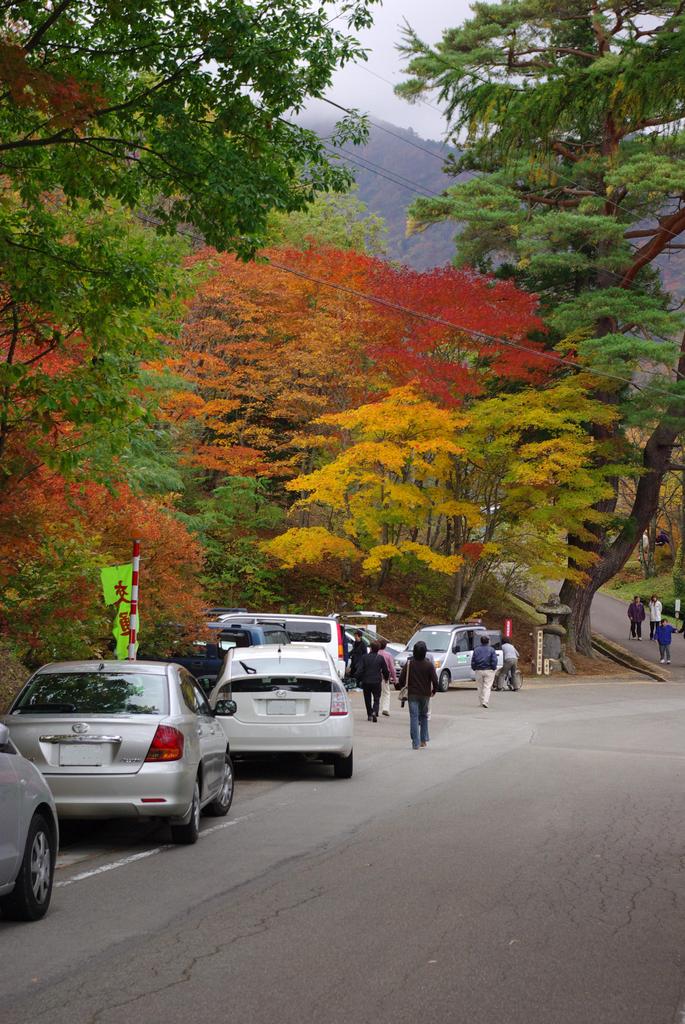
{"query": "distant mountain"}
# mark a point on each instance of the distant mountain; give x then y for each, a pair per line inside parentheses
(394, 167)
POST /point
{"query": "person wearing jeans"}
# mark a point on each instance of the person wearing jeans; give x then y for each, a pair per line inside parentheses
(664, 633)
(418, 721)
(484, 664)
(421, 680)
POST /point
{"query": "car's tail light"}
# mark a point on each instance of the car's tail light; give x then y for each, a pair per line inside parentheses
(167, 744)
(339, 705)
(341, 646)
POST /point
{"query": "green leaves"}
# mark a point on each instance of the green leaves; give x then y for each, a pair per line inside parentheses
(182, 108)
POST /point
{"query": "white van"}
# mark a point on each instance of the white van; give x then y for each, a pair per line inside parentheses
(301, 629)
(450, 647)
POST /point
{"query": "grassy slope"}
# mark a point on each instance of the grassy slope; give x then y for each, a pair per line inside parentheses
(630, 581)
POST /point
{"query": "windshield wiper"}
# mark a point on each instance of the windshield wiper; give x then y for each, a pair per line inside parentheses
(250, 670)
(39, 708)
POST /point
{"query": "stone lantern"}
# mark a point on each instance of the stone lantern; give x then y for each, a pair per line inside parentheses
(554, 632)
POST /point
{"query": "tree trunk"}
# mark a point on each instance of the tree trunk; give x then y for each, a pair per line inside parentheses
(462, 594)
(611, 558)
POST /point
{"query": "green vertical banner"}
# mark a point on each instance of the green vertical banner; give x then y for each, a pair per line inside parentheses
(116, 589)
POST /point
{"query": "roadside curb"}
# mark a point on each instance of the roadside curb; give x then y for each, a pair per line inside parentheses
(610, 649)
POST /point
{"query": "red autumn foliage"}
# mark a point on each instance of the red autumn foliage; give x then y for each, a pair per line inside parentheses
(266, 351)
(65, 100)
(52, 530)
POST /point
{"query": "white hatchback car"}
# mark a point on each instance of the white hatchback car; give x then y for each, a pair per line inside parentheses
(29, 836)
(288, 700)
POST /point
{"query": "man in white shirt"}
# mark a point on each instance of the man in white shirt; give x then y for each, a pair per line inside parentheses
(505, 675)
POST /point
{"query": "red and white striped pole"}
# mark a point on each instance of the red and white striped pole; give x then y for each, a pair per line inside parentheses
(133, 628)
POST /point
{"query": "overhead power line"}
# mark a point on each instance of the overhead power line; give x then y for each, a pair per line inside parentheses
(556, 171)
(384, 172)
(388, 131)
(489, 339)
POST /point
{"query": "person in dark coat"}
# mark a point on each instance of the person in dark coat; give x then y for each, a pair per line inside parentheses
(370, 675)
(359, 649)
(421, 680)
(636, 614)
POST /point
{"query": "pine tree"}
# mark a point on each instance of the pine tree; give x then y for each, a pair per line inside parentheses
(573, 118)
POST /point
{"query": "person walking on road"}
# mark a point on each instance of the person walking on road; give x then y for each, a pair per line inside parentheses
(664, 634)
(359, 649)
(506, 676)
(385, 685)
(419, 676)
(484, 663)
(655, 610)
(372, 670)
(636, 614)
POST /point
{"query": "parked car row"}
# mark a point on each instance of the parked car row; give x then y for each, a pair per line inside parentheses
(120, 739)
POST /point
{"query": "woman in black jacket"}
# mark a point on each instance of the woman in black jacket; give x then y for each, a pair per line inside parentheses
(372, 670)
(421, 680)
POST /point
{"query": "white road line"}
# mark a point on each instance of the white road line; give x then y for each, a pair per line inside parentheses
(145, 853)
(114, 864)
(224, 824)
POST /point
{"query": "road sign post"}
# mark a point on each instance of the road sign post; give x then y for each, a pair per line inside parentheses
(539, 667)
(133, 622)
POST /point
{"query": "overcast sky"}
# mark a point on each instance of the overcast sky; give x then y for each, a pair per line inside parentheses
(355, 87)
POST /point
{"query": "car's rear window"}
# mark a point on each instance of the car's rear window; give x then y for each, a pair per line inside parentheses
(95, 693)
(244, 665)
(268, 684)
(314, 632)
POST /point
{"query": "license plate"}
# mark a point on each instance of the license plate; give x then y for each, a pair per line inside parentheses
(281, 707)
(91, 754)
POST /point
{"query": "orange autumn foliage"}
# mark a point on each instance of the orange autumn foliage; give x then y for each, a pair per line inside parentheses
(54, 538)
(263, 352)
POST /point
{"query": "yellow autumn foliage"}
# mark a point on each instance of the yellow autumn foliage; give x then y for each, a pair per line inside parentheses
(308, 546)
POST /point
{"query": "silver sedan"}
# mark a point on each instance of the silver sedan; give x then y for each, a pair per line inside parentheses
(125, 739)
(29, 836)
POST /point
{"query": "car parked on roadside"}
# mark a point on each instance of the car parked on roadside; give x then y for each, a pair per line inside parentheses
(450, 647)
(301, 629)
(204, 659)
(287, 700)
(370, 635)
(120, 739)
(365, 622)
(29, 836)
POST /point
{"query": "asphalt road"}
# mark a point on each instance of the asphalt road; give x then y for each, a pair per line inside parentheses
(526, 868)
(610, 617)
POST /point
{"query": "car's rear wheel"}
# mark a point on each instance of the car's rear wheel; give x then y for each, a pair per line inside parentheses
(30, 898)
(344, 766)
(444, 681)
(224, 798)
(189, 833)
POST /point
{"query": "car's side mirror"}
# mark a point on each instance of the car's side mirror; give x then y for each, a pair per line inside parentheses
(4, 738)
(225, 708)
